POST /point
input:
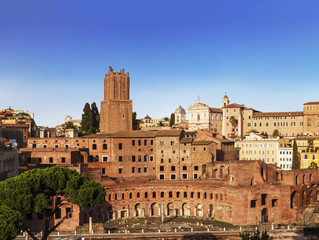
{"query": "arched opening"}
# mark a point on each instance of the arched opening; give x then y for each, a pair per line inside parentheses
(170, 209)
(317, 196)
(310, 178)
(198, 117)
(110, 212)
(138, 210)
(310, 197)
(264, 215)
(297, 180)
(199, 210)
(294, 200)
(303, 198)
(186, 210)
(210, 211)
(303, 179)
(155, 209)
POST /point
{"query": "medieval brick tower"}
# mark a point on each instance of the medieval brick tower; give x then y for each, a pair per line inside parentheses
(116, 109)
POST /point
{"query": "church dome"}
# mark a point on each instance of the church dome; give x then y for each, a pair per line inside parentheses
(180, 110)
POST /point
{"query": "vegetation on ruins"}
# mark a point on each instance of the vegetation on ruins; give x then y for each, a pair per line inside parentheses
(90, 119)
(172, 120)
(44, 192)
(295, 158)
(256, 236)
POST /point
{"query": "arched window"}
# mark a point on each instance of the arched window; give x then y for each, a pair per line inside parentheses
(198, 117)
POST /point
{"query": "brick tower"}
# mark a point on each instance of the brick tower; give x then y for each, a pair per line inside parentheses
(116, 109)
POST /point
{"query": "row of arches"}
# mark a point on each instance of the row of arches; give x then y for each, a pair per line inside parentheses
(162, 194)
(300, 199)
(157, 209)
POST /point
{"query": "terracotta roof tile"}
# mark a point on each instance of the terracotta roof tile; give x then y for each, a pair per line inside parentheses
(308, 103)
(277, 114)
(186, 140)
(216, 110)
(163, 133)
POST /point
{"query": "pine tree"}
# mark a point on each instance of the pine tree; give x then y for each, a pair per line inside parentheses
(172, 120)
(295, 158)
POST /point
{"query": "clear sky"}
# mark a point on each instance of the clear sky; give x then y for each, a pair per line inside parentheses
(54, 54)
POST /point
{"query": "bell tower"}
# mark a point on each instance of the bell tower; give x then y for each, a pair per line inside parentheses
(116, 108)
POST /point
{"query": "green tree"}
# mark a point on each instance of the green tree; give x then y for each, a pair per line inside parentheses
(96, 117)
(89, 118)
(10, 223)
(275, 133)
(295, 158)
(70, 125)
(313, 165)
(172, 120)
(134, 116)
(34, 191)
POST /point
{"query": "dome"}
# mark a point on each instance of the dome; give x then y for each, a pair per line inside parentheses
(147, 117)
(180, 110)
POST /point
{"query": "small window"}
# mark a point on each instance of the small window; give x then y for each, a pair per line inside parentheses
(139, 142)
(51, 160)
(120, 146)
(151, 142)
(133, 142)
(253, 203)
(195, 175)
(274, 202)
(104, 146)
(263, 199)
(39, 160)
(184, 168)
(68, 211)
(192, 194)
(195, 168)
(162, 194)
(172, 168)
(185, 194)
(198, 195)
(162, 176)
(154, 194)
(151, 158)
(120, 170)
(58, 213)
(145, 142)
(63, 160)
(120, 158)
(133, 169)
(173, 176)
(138, 195)
(133, 158)
(93, 146)
(104, 159)
(103, 170)
(162, 168)
(145, 158)
(56, 146)
(184, 175)
(146, 195)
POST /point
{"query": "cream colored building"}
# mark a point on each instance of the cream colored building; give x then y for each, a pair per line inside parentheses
(288, 124)
(257, 147)
(203, 117)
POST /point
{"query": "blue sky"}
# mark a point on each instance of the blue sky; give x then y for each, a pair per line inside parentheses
(54, 54)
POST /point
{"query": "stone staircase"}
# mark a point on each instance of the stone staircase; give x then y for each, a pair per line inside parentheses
(311, 215)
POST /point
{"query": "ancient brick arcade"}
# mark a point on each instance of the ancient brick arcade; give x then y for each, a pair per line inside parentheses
(165, 172)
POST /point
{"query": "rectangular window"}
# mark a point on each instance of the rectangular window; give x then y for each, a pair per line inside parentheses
(133, 169)
(139, 142)
(253, 203)
(68, 211)
(104, 146)
(173, 176)
(145, 169)
(104, 158)
(51, 160)
(103, 170)
(145, 142)
(39, 160)
(133, 158)
(120, 146)
(161, 176)
(172, 142)
(56, 146)
(58, 213)
(120, 158)
(184, 175)
(151, 142)
(151, 158)
(195, 175)
(34, 145)
(139, 158)
(93, 146)
(62, 160)
(133, 142)
(145, 158)
(274, 202)
(263, 199)
(162, 142)
(120, 170)
(184, 168)
(162, 168)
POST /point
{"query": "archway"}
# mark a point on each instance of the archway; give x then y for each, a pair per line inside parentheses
(155, 209)
(138, 210)
(264, 215)
(210, 211)
(186, 210)
(170, 209)
(199, 210)
(110, 213)
(294, 200)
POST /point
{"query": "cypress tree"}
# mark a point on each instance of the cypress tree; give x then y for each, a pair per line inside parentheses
(85, 125)
(96, 117)
(172, 120)
(295, 159)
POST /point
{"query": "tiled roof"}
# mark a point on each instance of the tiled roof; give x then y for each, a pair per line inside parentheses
(133, 134)
(186, 140)
(216, 110)
(203, 142)
(277, 114)
(308, 103)
(234, 105)
(163, 133)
